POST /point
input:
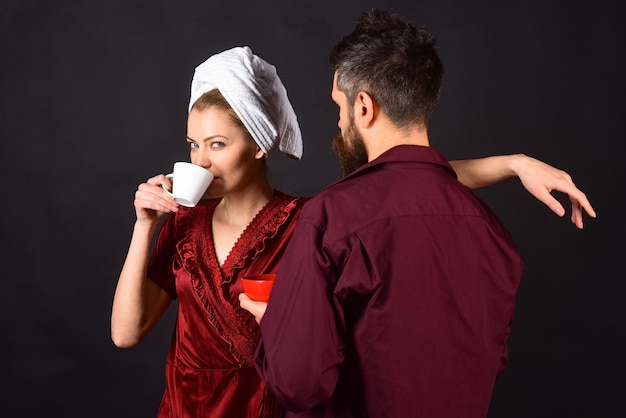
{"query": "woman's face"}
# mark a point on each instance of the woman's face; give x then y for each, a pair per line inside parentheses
(221, 146)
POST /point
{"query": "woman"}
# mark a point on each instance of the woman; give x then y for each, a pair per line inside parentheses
(202, 252)
(238, 111)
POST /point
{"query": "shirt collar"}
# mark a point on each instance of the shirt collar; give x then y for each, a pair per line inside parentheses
(407, 153)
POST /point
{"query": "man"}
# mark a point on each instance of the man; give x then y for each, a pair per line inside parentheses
(396, 294)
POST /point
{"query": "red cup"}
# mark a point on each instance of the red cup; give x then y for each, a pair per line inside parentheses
(258, 287)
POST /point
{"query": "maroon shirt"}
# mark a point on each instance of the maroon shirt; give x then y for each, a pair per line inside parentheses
(394, 297)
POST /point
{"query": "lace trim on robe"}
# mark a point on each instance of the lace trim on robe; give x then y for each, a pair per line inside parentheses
(198, 258)
(264, 226)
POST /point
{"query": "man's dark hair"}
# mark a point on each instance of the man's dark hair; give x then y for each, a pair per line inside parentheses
(395, 62)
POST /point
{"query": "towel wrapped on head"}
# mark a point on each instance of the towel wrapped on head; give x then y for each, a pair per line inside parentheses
(253, 89)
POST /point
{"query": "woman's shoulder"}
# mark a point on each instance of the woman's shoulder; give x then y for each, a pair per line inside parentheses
(281, 196)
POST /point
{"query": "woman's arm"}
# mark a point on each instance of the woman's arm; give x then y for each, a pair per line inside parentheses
(138, 302)
(539, 178)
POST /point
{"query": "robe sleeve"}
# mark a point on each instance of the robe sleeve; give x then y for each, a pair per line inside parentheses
(160, 266)
(302, 345)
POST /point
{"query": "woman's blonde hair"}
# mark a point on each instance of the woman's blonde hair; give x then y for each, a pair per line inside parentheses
(214, 99)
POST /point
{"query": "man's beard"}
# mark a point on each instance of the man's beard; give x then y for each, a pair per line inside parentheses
(350, 150)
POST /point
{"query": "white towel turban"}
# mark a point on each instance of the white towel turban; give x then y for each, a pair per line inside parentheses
(253, 89)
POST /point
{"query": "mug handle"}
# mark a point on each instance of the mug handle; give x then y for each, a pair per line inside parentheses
(169, 176)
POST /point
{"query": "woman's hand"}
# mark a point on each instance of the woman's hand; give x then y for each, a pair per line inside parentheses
(540, 179)
(152, 202)
(255, 308)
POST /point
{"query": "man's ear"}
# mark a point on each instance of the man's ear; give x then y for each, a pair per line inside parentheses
(365, 109)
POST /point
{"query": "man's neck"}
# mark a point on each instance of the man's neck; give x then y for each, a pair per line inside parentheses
(383, 137)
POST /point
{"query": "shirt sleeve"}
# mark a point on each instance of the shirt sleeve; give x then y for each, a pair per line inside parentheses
(302, 346)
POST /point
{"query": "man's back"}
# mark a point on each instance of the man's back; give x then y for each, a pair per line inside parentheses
(408, 283)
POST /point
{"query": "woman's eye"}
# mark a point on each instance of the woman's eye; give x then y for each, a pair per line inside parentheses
(217, 144)
(193, 145)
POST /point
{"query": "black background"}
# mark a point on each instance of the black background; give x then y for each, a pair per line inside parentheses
(93, 99)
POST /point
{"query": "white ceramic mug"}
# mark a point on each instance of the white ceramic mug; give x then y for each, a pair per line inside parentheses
(190, 181)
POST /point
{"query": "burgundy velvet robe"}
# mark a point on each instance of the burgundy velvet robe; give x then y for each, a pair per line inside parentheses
(210, 366)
